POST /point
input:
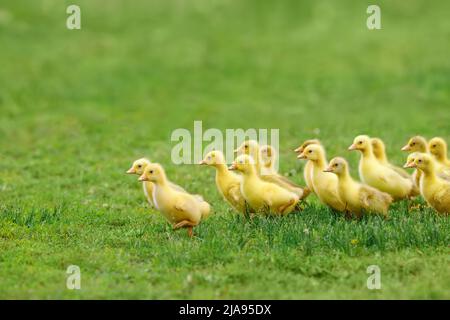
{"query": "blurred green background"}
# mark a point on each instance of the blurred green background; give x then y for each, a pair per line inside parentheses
(78, 106)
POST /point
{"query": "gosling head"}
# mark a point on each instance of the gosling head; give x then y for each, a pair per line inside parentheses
(410, 160)
(249, 147)
(422, 161)
(361, 143)
(438, 147)
(312, 152)
(138, 166)
(268, 155)
(337, 166)
(243, 163)
(213, 158)
(153, 172)
(416, 144)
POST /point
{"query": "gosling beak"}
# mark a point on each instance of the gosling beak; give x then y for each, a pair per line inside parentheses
(202, 163)
(142, 178)
(352, 147)
(329, 169)
(301, 156)
(410, 165)
(131, 171)
(232, 167)
(406, 148)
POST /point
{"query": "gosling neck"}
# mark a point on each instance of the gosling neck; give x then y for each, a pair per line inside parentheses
(320, 162)
(221, 169)
(250, 172)
(382, 156)
(429, 173)
(161, 182)
(442, 156)
(367, 153)
(344, 176)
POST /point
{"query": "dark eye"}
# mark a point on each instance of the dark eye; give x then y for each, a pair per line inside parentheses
(245, 147)
(420, 160)
(434, 146)
(413, 144)
(151, 171)
(310, 151)
(139, 165)
(335, 164)
(360, 142)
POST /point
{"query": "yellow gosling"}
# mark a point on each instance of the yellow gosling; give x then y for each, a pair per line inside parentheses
(181, 209)
(416, 144)
(262, 195)
(358, 198)
(307, 171)
(438, 148)
(435, 190)
(379, 176)
(138, 168)
(325, 184)
(228, 183)
(252, 149)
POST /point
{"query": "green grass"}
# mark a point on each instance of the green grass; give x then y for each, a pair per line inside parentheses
(77, 107)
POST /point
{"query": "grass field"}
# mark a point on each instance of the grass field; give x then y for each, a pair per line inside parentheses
(77, 107)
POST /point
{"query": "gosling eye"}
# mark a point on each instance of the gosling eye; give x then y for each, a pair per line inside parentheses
(310, 151)
(245, 146)
(335, 164)
(434, 146)
(413, 144)
(360, 142)
(139, 166)
(420, 160)
(151, 171)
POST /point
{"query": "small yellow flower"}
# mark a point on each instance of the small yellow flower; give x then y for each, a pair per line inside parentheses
(354, 242)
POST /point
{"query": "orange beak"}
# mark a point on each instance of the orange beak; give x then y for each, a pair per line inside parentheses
(410, 165)
(329, 169)
(232, 167)
(301, 156)
(143, 178)
(131, 171)
(406, 148)
(352, 147)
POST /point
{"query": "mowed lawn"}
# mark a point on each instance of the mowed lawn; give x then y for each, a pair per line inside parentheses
(77, 107)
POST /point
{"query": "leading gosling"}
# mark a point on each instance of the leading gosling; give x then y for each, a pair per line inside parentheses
(181, 209)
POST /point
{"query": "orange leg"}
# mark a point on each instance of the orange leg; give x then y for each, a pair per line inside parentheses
(190, 232)
(185, 224)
